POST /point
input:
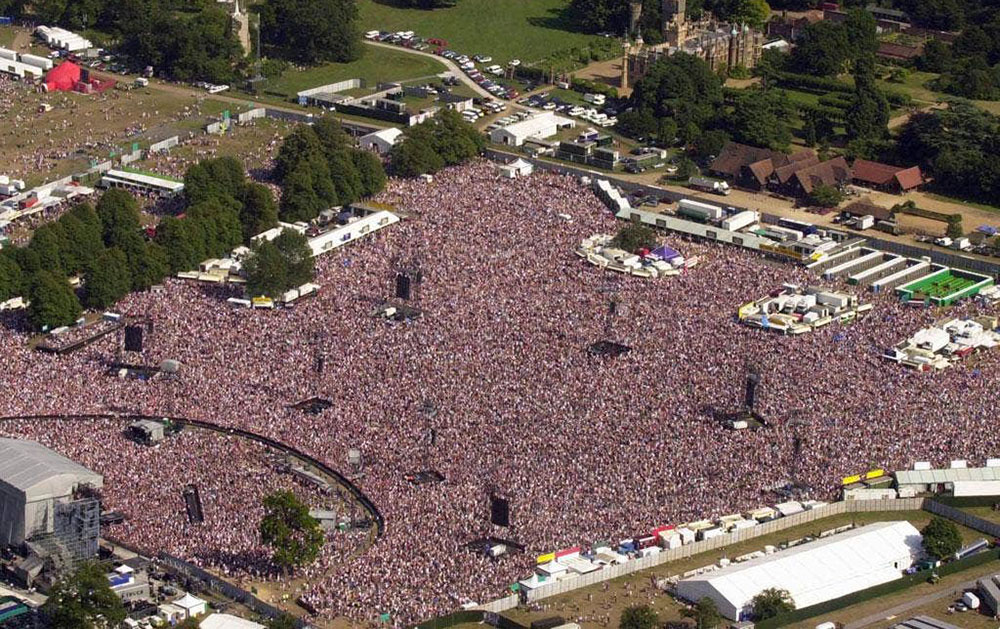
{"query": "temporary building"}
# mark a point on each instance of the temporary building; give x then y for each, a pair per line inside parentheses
(192, 605)
(33, 480)
(227, 621)
(63, 77)
(380, 141)
(814, 572)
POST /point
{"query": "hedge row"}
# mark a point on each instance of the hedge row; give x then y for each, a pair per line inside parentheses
(921, 212)
(458, 618)
(822, 111)
(592, 87)
(806, 82)
(891, 587)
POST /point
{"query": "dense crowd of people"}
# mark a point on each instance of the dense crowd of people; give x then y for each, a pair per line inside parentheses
(494, 389)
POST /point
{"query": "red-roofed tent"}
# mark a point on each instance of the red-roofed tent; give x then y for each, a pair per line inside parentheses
(63, 77)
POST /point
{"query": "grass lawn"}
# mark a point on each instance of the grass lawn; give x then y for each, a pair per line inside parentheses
(986, 513)
(916, 86)
(947, 199)
(6, 36)
(375, 65)
(529, 30)
(637, 588)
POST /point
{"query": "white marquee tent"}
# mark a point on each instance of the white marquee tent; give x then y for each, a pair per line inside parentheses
(813, 572)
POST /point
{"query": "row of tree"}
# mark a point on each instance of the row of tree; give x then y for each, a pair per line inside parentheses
(319, 168)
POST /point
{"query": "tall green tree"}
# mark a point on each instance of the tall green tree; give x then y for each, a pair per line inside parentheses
(259, 212)
(108, 279)
(312, 31)
(868, 116)
(119, 214)
(83, 600)
(11, 276)
(279, 265)
(823, 50)
(705, 614)
(53, 302)
(287, 527)
(760, 118)
(639, 617)
(941, 538)
(862, 33)
(770, 603)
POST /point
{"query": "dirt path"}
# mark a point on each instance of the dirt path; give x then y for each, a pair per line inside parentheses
(608, 72)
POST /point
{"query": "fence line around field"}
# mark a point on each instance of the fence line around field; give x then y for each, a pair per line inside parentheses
(608, 573)
(964, 518)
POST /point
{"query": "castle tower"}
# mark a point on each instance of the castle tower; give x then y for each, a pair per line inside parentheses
(674, 22)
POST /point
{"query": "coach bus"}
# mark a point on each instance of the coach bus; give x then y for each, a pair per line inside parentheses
(797, 225)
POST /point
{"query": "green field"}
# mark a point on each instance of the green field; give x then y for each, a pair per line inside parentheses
(6, 36)
(375, 65)
(529, 30)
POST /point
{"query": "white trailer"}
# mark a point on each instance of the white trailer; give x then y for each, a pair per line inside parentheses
(39, 62)
(740, 220)
(697, 209)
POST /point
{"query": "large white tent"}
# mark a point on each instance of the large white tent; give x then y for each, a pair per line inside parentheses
(32, 480)
(814, 572)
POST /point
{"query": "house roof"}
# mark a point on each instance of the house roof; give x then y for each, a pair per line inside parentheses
(785, 172)
(830, 172)
(866, 207)
(881, 174)
(909, 178)
(762, 170)
(897, 51)
(735, 156)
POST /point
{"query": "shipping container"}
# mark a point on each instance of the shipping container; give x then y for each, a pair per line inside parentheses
(700, 211)
(738, 221)
(709, 185)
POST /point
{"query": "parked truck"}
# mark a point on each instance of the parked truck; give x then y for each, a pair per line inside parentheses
(702, 212)
(866, 222)
(709, 185)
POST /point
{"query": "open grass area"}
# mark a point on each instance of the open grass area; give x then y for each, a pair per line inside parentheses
(980, 206)
(374, 66)
(916, 84)
(597, 603)
(986, 513)
(529, 30)
(6, 36)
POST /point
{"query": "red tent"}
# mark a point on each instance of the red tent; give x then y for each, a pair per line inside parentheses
(63, 78)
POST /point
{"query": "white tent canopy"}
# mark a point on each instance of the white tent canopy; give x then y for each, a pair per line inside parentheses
(814, 572)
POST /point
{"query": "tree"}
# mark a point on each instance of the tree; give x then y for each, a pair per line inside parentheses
(284, 621)
(825, 196)
(823, 49)
(312, 31)
(868, 115)
(119, 214)
(83, 600)
(639, 617)
(705, 614)
(259, 211)
(639, 123)
(862, 33)
(299, 201)
(370, 172)
(11, 276)
(415, 154)
(682, 87)
(760, 118)
(278, 265)
(53, 302)
(108, 280)
(936, 57)
(709, 144)
(287, 527)
(753, 13)
(771, 602)
(955, 229)
(941, 538)
(634, 236)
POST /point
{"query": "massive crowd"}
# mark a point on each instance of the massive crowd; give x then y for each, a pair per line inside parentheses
(584, 448)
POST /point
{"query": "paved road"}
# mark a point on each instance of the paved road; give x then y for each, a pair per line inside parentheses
(448, 63)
